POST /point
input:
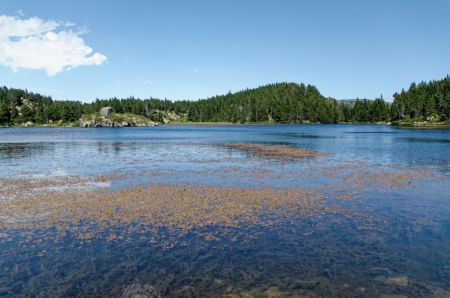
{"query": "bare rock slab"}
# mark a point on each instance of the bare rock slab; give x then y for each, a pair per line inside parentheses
(106, 111)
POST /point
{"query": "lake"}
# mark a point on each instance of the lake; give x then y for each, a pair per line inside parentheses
(174, 211)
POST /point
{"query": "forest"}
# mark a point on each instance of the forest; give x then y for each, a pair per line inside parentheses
(274, 103)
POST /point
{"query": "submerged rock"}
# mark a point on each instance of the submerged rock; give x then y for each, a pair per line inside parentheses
(185, 291)
(307, 284)
(397, 280)
(140, 291)
(438, 292)
(393, 296)
(274, 292)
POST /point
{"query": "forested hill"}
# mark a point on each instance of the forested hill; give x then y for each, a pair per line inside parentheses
(275, 103)
(286, 103)
(280, 103)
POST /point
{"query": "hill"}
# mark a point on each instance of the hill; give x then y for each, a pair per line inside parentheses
(421, 104)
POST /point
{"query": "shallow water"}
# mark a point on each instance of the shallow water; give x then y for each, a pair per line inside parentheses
(385, 229)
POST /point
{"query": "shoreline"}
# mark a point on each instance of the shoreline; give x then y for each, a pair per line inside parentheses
(438, 126)
(195, 124)
(435, 126)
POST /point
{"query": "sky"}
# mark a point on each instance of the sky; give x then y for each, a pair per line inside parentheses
(178, 49)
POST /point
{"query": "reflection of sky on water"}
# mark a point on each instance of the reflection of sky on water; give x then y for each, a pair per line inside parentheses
(95, 151)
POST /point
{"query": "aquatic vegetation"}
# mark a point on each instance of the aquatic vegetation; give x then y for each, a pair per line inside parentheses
(281, 152)
(176, 207)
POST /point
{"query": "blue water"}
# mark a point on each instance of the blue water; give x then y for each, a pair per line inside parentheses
(81, 150)
(394, 231)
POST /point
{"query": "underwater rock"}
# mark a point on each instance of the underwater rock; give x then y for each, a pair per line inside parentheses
(438, 292)
(140, 291)
(186, 291)
(274, 292)
(307, 284)
(398, 280)
(361, 289)
(393, 296)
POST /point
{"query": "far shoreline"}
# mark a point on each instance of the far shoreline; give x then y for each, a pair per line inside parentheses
(212, 124)
(193, 124)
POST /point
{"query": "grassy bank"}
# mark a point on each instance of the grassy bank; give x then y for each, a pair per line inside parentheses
(422, 124)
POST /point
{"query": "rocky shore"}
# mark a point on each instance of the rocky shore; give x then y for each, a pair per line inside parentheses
(106, 118)
(107, 122)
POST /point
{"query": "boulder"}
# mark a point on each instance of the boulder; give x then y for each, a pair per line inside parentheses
(106, 111)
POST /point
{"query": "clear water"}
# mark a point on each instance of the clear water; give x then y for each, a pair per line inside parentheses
(320, 256)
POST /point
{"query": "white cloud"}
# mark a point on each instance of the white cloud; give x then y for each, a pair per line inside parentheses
(34, 43)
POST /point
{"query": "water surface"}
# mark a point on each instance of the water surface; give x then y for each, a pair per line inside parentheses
(385, 230)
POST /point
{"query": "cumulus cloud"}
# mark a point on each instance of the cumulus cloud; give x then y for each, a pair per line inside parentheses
(34, 43)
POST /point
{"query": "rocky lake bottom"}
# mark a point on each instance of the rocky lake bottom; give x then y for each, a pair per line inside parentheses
(288, 211)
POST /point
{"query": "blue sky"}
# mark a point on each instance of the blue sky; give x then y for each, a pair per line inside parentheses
(195, 49)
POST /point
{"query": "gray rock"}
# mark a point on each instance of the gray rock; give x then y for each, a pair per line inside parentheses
(85, 124)
(106, 111)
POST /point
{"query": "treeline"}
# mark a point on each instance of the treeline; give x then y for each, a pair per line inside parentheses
(424, 101)
(21, 106)
(275, 103)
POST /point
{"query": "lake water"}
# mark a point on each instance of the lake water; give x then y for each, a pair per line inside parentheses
(384, 228)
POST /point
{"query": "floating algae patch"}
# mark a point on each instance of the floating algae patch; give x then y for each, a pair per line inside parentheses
(89, 209)
(372, 177)
(179, 208)
(281, 152)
